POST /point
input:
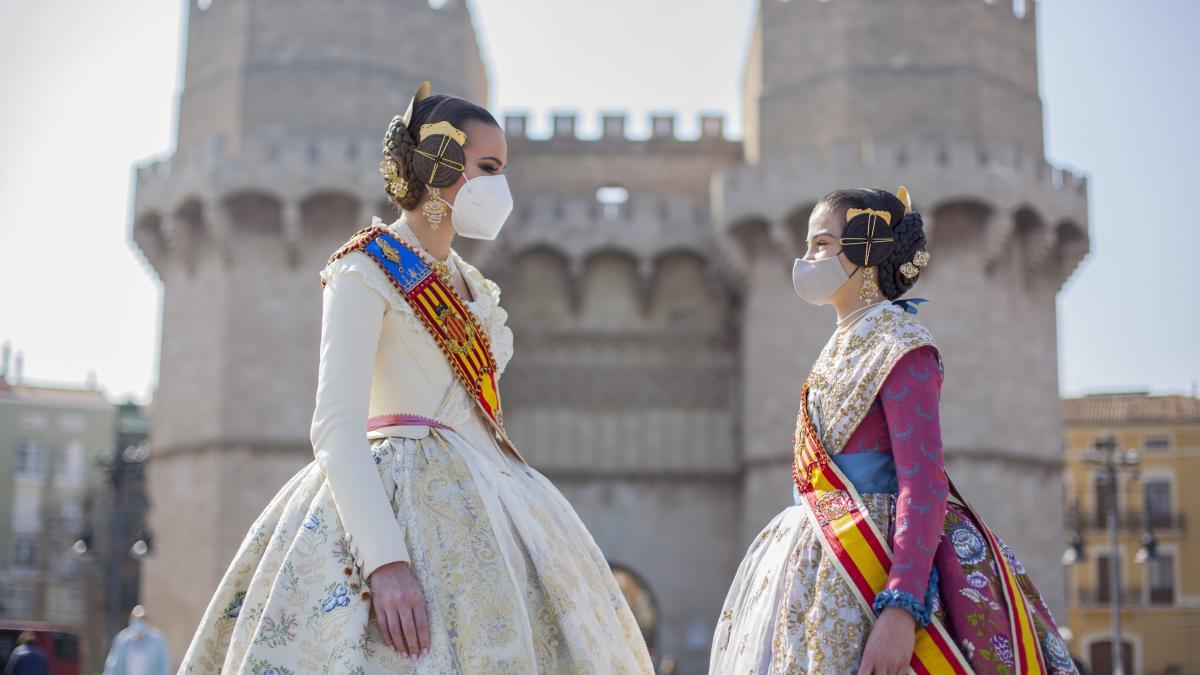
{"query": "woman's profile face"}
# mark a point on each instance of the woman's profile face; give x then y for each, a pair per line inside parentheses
(824, 231)
(485, 154)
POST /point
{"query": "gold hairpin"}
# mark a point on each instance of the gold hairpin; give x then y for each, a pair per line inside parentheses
(445, 129)
(439, 160)
(903, 196)
(851, 214)
(421, 94)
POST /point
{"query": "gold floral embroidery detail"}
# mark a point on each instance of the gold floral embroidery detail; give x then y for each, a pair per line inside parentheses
(853, 366)
(819, 626)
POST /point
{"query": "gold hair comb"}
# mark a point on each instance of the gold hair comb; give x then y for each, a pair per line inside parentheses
(443, 128)
(851, 214)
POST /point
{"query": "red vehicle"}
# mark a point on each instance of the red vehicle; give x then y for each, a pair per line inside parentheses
(60, 645)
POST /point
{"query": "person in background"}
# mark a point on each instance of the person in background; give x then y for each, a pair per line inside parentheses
(27, 658)
(139, 649)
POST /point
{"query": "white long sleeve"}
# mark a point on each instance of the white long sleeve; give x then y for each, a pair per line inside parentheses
(351, 322)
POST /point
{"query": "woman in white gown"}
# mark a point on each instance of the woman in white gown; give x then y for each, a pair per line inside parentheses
(426, 545)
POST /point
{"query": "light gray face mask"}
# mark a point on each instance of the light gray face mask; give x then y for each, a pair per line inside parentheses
(817, 280)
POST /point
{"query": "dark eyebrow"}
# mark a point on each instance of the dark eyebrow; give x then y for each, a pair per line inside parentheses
(494, 159)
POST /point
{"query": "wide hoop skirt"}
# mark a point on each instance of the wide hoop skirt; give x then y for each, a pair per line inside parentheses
(513, 582)
(790, 611)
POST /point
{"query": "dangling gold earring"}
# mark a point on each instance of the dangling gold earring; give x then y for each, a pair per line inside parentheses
(434, 208)
(870, 289)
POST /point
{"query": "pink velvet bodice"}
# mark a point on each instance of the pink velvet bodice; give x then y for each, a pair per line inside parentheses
(903, 420)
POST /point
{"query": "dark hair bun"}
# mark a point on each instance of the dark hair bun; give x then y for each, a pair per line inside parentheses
(438, 161)
(398, 146)
(910, 238)
(855, 237)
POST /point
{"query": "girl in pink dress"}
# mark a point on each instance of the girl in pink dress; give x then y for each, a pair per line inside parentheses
(880, 567)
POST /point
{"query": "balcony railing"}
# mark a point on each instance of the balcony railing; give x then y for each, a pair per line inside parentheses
(1130, 596)
(1127, 520)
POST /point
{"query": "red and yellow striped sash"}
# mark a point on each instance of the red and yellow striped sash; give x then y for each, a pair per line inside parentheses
(1026, 646)
(864, 557)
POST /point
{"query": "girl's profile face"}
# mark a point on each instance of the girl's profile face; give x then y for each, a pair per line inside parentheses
(824, 231)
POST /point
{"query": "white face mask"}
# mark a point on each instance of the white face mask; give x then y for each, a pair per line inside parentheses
(817, 280)
(481, 206)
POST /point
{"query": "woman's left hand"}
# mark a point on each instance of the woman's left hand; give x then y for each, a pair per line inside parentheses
(890, 645)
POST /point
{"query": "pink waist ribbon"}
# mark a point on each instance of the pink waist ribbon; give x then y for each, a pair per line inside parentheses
(404, 419)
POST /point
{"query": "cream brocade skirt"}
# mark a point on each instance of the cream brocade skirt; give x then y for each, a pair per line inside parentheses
(513, 581)
(788, 609)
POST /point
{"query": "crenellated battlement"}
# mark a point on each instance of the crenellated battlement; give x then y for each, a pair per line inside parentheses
(1018, 9)
(613, 131)
(204, 6)
(1004, 161)
(189, 203)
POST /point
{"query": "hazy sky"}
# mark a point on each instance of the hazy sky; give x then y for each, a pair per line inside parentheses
(89, 89)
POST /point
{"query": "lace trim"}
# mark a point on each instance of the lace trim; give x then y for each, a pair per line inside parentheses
(921, 611)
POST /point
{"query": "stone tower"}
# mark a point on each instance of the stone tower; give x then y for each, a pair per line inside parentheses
(280, 118)
(940, 96)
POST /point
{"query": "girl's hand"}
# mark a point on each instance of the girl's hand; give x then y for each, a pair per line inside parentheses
(890, 645)
(400, 609)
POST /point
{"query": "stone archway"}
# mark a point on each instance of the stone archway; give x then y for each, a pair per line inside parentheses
(643, 603)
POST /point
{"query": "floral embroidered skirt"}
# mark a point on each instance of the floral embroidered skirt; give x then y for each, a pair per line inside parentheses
(513, 582)
(790, 611)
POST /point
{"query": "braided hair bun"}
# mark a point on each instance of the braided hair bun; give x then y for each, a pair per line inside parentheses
(437, 161)
(399, 147)
(860, 229)
(910, 238)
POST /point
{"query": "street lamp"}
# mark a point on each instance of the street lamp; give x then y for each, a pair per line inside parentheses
(142, 547)
(1110, 459)
(1149, 549)
(1075, 553)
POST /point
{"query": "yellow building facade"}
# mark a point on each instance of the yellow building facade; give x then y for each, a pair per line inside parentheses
(1156, 496)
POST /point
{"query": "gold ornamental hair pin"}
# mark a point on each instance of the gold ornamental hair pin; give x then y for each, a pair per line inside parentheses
(391, 175)
(851, 214)
(903, 196)
(911, 269)
(421, 94)
(443, 128)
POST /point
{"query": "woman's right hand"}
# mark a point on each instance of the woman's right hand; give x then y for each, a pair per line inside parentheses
(400, 609)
